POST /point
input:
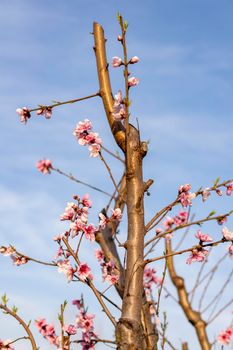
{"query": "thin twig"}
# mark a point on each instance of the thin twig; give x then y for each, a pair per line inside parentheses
(71, 177)
(220, 311)
(113, 154)
(65, 102)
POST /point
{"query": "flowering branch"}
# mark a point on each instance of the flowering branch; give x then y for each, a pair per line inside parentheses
(23, 324)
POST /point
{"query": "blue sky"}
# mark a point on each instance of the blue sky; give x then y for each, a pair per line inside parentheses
(184, 105)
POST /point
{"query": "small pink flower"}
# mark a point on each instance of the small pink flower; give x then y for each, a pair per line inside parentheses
(110, 272)
(229, 189)
(119, 107)
(205, 194)
(44, 166)
(45, 111)
(134, 59)
(133, 81)
(82, 127)
(158, 231)
(116, 62)
(116, 214)
(19, 260)
(7, 251)
(181, 218)
(84, 272)
(86, 201)
(227, 234)
(103, 220)
(94, 150)
(89, 232)
(6, 344)
(24, 114)
(99, 254)
(225, 336)
(203, 237)
(65, 267)
(70, 330)
(184, 188)
(197, 255)
(168, 222)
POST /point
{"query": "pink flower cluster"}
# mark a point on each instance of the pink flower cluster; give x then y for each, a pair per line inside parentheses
(84, 322)
(45, 111)
(150, 278)
(116, 215)
(197, 255)
(24, 114)
(226, 336)
(6, 344)
(178, 220)
(64, 266)
(109, 269)
(47, 331)
(119, 107)
(78, 215)
(17, 259)
(44, 166)
(86, 137)
(203, 237)
(185, 197)
(228, 236)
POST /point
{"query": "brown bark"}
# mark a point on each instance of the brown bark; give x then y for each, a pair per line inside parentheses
(193, 316)
(135, 329)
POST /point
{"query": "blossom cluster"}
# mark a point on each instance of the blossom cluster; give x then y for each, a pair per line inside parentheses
(207, 191)
(185, 197)
(150, 278)
(17, 258)
(47, 331)
(84, 322)
(110, 272)
(116, 216)
(226, 336)
(77, 214)
(24, 113)
(86, 137)
(178, 220)
(6, 344)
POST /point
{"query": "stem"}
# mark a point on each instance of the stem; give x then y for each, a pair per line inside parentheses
(23, 324)
(71, 177)
(66, 102)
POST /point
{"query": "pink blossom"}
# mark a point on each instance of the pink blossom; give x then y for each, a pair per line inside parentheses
(89, 231)
(227, 234)
(86, 201)
(181, 218)
(184, 188)
(205, 194)
(70, 330)
(119, 107)
(58, 238)
(82, 127)
(44, 166)
(103, 220)
(84, 272)
(7, 251)
(19, 260)
(76, 227)
(186, 198)
(116, 214)
(6, 344)
(94, 150)
(197, 255)
(65, 267)
(110, 272)
(116, 61)
(134, 59)
(85, 322)
(225, 336)
(168, 222)
(158, 231)
(203, 237)
(150, 278)
(99, 254)
(24, 114)
(46, 111)
(119, 38)
(78, 303)
(70, 211)
(229, 188)
(133, 81)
